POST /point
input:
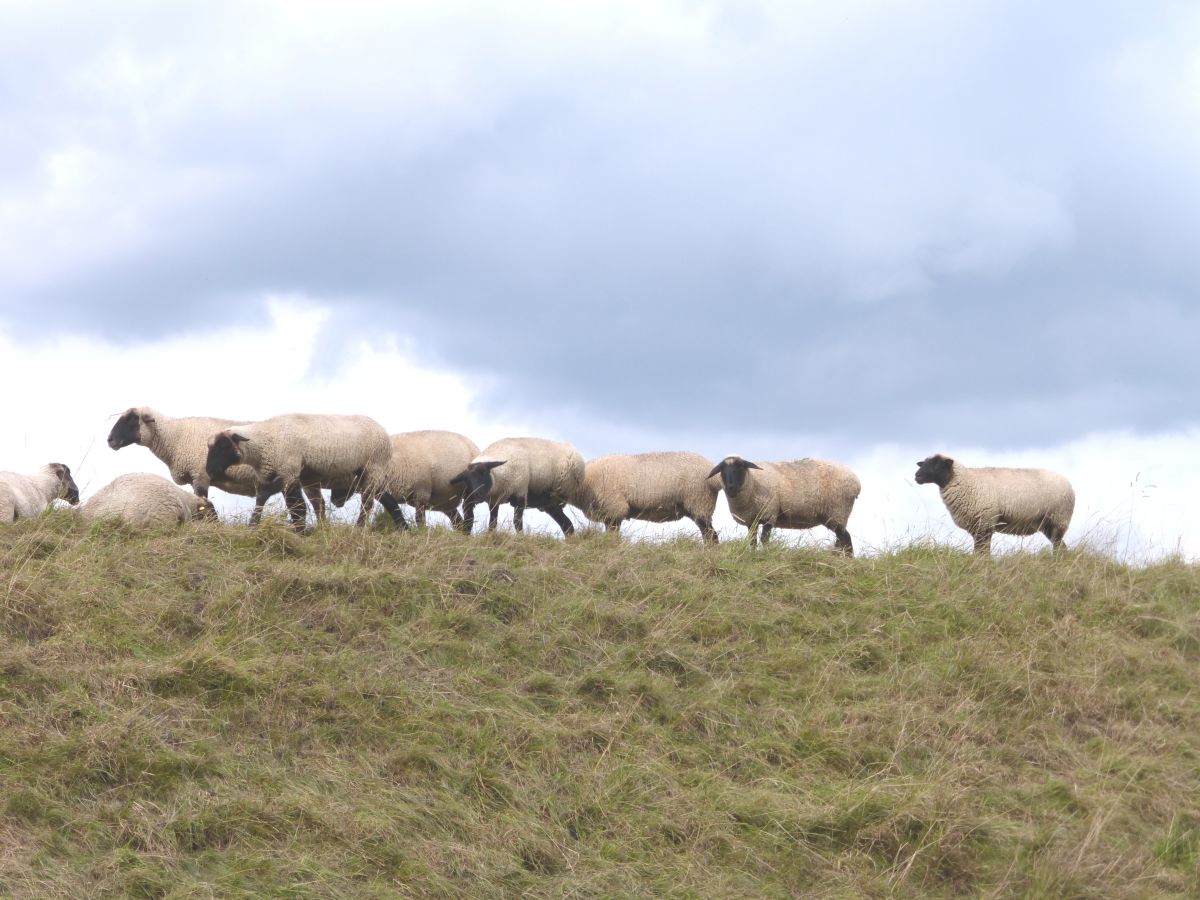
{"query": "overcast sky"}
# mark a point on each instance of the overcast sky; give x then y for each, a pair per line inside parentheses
(865, 230)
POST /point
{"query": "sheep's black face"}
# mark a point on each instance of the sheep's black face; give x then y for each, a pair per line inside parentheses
(67, 490)
(126, 431)
(223, 452)
(476, 480)
(732, 470)
(935, 469)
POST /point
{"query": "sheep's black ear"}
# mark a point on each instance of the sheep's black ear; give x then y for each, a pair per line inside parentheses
(238, 438)
(490, 464)
(459, 478)
(718, 469)
(750, 465)
(147, 418)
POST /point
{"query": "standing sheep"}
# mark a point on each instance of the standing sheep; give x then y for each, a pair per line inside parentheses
(984, 501)
(289, 452)
(800, 494)
(654, 487)
(421, 472)
(28, 496)
(525, 472)
(182, 443)
(147, 501)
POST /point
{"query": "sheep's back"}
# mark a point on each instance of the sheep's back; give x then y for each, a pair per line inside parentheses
(535, 467)
(141, 499)
(1009, 500)
(658, 486)
(423, 462)
(325, 446)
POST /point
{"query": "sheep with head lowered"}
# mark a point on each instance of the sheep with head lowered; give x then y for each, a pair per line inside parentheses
(28, 496)
(423, 464)
(524, 471)
(803, 493)
(984, 501)
(182, 443)
(653, 487)
(349, 454)
(147, 501)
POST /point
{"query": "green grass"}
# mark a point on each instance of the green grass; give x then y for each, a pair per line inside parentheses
(225, 711)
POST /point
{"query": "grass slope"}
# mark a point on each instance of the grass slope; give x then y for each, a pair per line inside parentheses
(243, 712)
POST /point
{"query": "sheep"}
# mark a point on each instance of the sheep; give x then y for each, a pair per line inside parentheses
(799, 494)
(422, 465)
(654, 487)
(983, 501)
(524, 471)
(292, 451)
(28, 496)
(147, 501)
(182, 443)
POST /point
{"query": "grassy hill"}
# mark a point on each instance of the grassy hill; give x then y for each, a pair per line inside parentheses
(244, 712)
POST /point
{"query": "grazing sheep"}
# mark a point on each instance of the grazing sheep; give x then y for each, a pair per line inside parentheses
(984, 501)
(28, 496)
(800, 494)
(183, 445)
(147, 501)
(654, 487)
(349, 454)
(525, 472)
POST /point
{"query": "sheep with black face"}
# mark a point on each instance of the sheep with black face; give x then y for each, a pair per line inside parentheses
(28, 496)
(803, 493)
(525, 472)
(984, 501)
(293, 451)
(182, 443)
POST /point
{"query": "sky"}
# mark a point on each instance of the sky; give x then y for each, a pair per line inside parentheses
(866, 231)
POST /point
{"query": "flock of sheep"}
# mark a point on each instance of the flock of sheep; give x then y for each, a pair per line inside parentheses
(300, 455)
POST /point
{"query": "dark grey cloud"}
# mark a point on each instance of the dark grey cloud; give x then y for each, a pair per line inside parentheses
(850, 223)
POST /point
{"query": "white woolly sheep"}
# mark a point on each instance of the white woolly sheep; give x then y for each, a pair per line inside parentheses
(182, 443)
(524, 471)
(799, 494)
(346, 453)
(654, 487)
(147, 501)
(983, 501)
(422, 466)
(28, 496)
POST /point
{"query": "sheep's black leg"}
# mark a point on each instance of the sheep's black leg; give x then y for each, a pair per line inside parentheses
(493, 516)
(556, 513)
(317, 500)
(706, 530)
(613, 527)
(297, 510)
(843, 542)
(765, 534)
(518, 515)
(260, 500)
(392, 505)
(1054, 534)
(983, 543)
